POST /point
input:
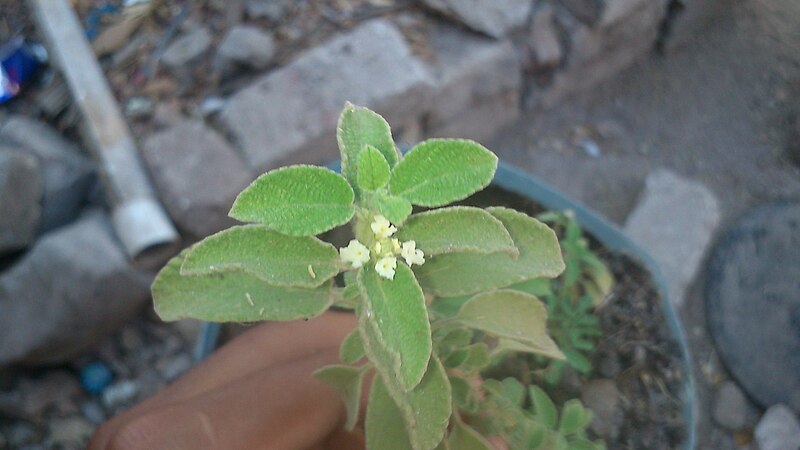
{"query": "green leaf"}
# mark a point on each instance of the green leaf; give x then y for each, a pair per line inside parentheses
(296, 200)
(510, 314)
(463, 395)
(510, 345)
(545, 409)
(278, 259)
(477, 358)
(351, 349)
(425, 410)
(462, 437)
(467, 273)
(539, 287)
(394, 310)
(457, 229)
(358, 127)
(232, 297)
(347, 382)
(395, 209)
(574, 417)
(373, 170)
(440, 171)
(446, 307)
(385, 427)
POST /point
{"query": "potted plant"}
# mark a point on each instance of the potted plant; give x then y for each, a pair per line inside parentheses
(442, 296)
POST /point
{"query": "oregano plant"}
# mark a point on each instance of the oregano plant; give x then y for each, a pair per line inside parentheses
(436, 292)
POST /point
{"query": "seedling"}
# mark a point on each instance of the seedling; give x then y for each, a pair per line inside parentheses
(431, 290)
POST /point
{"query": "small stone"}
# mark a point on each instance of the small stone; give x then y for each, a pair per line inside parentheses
(603, 398)
(212, 105)
(778, 429)
(494, 18)
(120, 393)
(674, 221)
(729, 407)
(587, 11)
(20, 199)
(198, 175)
(55, 391)
(274, 10)
(138, 107)
(166, 114)
(173, 367)
(72, 432)
(543, 41)
(245, 46)
(21, 434)
(185, 51)
(609, 366)
(93, 412)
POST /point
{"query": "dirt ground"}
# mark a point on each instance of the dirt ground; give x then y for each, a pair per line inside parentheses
(723, 109)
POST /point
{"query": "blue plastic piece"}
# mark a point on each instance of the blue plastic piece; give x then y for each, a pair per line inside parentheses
(20, 60)
(96, 376)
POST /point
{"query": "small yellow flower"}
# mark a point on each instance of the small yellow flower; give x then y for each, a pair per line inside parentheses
(355, 253)
(385, 267)
(411, 254)
(395, 246)
(382, 228)
(377, 248)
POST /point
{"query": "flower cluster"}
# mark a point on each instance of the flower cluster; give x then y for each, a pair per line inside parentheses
(385, 250)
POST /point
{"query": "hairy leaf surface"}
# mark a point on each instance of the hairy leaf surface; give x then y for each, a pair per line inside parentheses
(347, 382)
(373, 170)
(358, 126)
(457, 229)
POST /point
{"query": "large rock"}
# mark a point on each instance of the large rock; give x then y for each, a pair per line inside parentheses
(20, 198)
(72, 289)
(626, 30)
(477, 85)
(185, 51)
(197, 174)
(753, 305)
(67, 173)
(290, 115)
(779, 429)
(494, 18)
(674, 221)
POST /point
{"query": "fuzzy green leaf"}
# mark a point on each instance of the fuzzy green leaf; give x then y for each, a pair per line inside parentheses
(278, 259)
(358, 126)
(296, 200)
(351, 349)
(467, 273)
(510, 345)
(347, 382)
(232, 297)
(395, 209)
(385, 427)
(463, 437)
(574, 417)
(510, 314)
(425, 410)
(539, 287)
(396, 318)
(440, 171)
(457, 229)
(544, 408)
(373, 170)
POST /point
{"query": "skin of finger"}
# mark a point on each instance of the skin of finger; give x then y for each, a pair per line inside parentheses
(278, 408)
(262, 347)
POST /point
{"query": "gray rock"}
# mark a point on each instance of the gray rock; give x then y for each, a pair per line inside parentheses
(543, 42)
(615, 11)
(752, 302)
(138, 107)
(245, 46)
(74, 287)
(120, 393)
(778, 429)
(198, 175)
(70, 432)
(290, 115)
(472, 98)
(67, 173)
(495, 18)
(93, 412)
(21, 434)
(603, 398)
(674, 221)
(729, 407)
(56, 391)
(274, 10)
(185, 51)
(20, 199)
(587, 11)
(172, 367)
